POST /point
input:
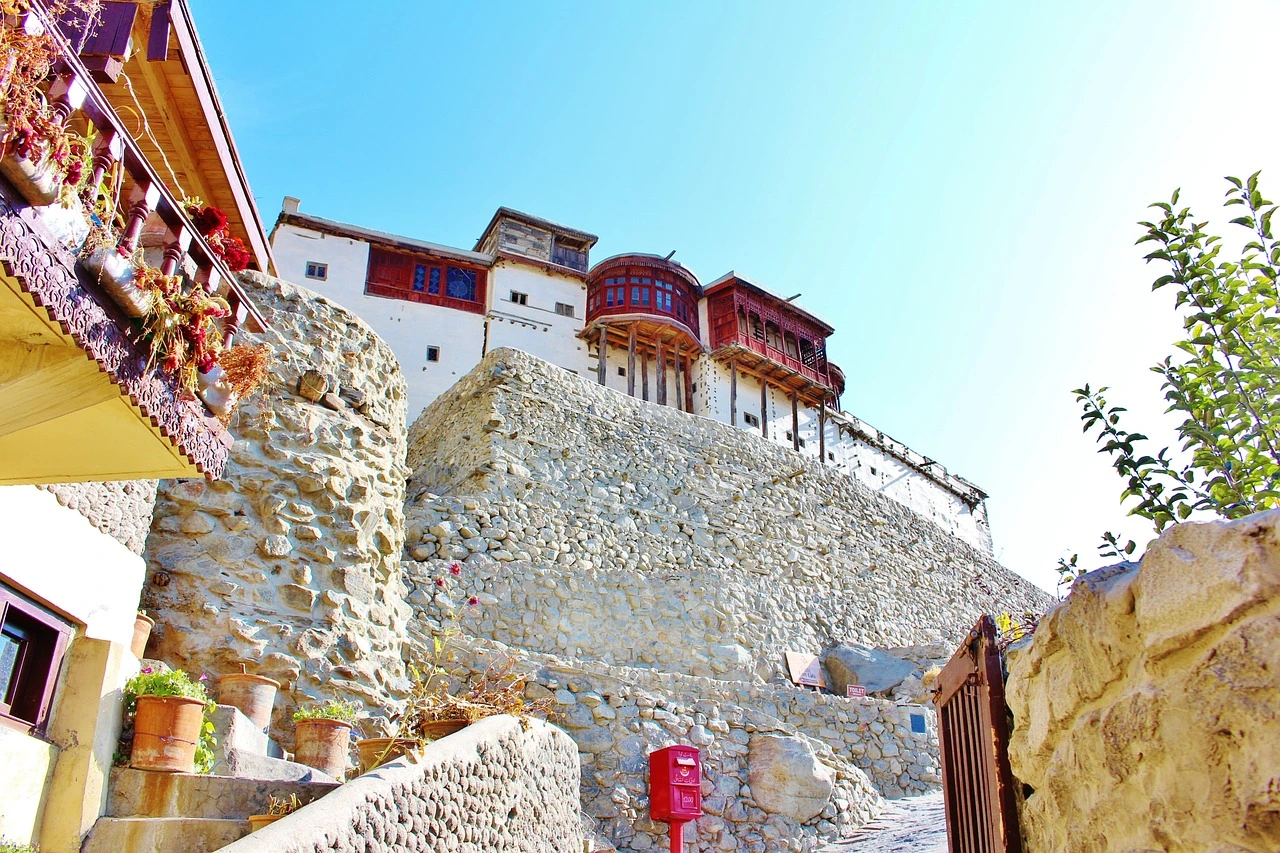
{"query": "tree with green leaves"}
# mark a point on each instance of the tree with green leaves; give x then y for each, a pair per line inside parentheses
(1224, 383)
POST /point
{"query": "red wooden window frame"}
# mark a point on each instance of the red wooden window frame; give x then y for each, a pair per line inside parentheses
(768, 330)
(28, 696)
(391, 275)
(639, 289)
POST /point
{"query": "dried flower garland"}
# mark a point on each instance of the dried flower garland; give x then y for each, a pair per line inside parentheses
(211, 222)
(31, 129)
(185, 340)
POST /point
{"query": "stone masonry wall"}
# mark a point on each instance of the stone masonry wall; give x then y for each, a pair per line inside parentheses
(634, 534)
(291, 562)
(120, 509)
(1145, 704)
(501, 786)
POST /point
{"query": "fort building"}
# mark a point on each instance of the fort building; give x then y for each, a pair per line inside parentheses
(731, 349)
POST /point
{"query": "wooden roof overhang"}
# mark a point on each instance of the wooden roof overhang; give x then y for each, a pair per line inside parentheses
(650, 331)
(653, 262)
(785, 307)
(809, 391)
(79, 399)
(161, 84)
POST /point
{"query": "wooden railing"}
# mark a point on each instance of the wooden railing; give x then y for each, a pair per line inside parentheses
(791, 362)
(141, 196)
(389, 292)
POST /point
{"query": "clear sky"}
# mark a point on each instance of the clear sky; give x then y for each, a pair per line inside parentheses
(953, 187)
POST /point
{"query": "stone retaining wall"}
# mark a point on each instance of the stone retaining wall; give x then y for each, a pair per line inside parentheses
(1145, 704)
(120, 509)
(291, 562)
(632, 533)
(500, 785)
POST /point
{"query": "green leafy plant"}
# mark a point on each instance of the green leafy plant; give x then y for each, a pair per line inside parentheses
(1222, 382)
(335, 709)
(7, 846)
(175, 682)
(279, 806)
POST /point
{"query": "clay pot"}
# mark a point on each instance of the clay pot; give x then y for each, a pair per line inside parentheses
(254, 695)
(165, 734)
(443, 728)
(257, 821)
(142, 626)
(374, 752)
(322, 744)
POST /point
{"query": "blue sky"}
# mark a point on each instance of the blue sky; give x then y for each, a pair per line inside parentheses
(953, 186)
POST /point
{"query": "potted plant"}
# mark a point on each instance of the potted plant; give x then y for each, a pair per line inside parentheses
(169, 723)
(142, 625)
(277, 807)
(322, 735)
(254, 695)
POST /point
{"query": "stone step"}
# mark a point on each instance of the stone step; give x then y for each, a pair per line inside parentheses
(235, 731)
(163, 834)
(142, 794)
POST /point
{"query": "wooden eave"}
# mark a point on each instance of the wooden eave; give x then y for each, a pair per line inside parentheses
(650, 331)
(385, 240)
(535, 222)
(545, 266)
(185, 134)
(731, 280)
(774, 373)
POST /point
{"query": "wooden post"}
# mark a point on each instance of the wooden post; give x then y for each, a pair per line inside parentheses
(679, 381)
(688, 384)
(631, 361)
(795, 423)
(602, 342)
(662, 373)
(644, 376)
(764, 409)
(822, 431)
(733, 393)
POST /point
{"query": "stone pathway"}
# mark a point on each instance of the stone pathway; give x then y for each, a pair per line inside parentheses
(908, 825)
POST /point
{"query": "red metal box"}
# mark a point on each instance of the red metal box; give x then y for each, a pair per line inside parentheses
(675, 783)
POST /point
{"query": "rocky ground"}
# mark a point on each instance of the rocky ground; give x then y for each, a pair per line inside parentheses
(908, 825)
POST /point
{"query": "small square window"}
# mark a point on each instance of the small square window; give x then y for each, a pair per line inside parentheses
(622, 371)
(831, 456)
(519, 298)
(694, 387)
(873, 470)
(32, 643)
(800, 442)
(433, 353)
(751, 419)
(317, 270)
(564, 309)
(790, 437)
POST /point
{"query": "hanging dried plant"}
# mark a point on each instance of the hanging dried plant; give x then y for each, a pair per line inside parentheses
(246, 367)
(185, 341)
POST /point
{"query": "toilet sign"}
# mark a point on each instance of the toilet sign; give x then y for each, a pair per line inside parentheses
(804, 669)
(855, 691)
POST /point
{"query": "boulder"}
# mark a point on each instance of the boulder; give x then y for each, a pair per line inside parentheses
(787, 778)
(875, 670)
(312, 385)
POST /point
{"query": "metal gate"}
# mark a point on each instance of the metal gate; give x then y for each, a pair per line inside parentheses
(973, 738)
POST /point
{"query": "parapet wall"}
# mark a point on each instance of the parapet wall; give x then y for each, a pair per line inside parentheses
(120, 509)
(1145, 704)
(631, 533)
(501, 785)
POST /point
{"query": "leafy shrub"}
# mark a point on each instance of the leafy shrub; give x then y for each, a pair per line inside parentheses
(334, 709)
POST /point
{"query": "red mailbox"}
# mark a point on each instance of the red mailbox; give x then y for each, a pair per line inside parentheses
(675, 788)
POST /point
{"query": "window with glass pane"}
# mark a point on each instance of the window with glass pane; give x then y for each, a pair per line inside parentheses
(420, 277)
(433, 282)
(461, 284)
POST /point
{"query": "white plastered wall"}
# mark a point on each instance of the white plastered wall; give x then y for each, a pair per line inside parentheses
(409, 328)
(535, 327)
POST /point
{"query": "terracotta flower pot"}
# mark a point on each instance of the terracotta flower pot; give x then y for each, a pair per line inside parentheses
(254, 695)
(257, 821)
(443, 728)
(165, 734)
(323, 744)
(142, 626)
(374, 752)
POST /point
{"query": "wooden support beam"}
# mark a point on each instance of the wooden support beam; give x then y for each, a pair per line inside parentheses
(795, 423)
(631, 360)
(822, 432)
(679, 380)
(41, 383)
(662, 372)
(644, 376)
(764, 409)
(688, 384)
(733, 393)
(602, 344)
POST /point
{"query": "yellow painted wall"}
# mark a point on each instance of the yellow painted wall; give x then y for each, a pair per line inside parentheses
(27, 764)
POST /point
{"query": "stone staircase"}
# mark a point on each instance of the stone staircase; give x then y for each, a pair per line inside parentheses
(194, 813)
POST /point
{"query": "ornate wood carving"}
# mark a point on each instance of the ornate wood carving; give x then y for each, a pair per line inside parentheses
(46, 271)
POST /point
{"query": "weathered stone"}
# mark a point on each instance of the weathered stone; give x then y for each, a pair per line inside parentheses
(787, 778)
(877, 671)
(312, 385)
(1145, 703)
(333, 401)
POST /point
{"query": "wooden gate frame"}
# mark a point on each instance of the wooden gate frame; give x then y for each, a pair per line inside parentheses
(973, 741)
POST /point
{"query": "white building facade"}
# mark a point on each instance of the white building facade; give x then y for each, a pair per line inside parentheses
(731, 350)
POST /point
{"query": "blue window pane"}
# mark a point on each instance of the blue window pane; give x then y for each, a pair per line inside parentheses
(434, 284)
(644, 298)
(635, 296)
(608, 297)
(461, 284)
(419, 277)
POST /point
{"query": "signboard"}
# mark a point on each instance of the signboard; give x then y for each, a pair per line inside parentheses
(804, 669)
(855, 690)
